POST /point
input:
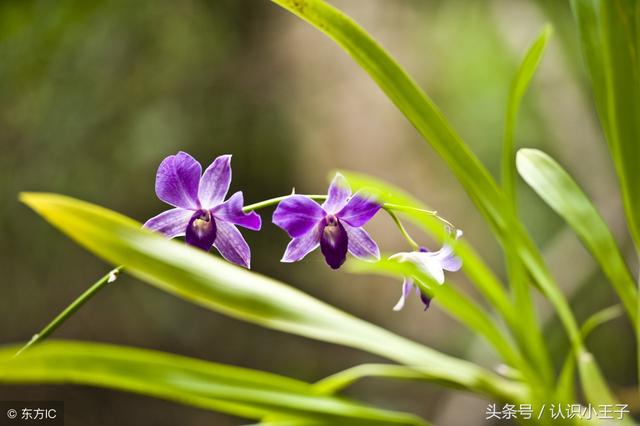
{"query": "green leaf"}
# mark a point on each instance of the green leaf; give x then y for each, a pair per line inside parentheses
(238, 391)
(527, 332)
(609, 37)
(218, 285)
(474, 267)
(519, 86)
(337, 382)
(455, 303)
(554, 185)
(565, 389)
(596, 320)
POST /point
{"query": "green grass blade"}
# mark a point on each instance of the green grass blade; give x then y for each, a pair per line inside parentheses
(338, 381)
(622, 90)
(519, 86)
(601, 317)
(238, 391)
(565, 389)
(609, 37)
(527, 331)
(556, 187)
(218, 285)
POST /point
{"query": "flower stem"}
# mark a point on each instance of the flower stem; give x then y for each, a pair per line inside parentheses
(415, 246)
(274, 201)
(72, 308)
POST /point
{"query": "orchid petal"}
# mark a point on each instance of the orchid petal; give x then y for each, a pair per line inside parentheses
(426, 300)
(359, 210)
(231, 211)
(231, 244)
(338, 193)
(446, 256)
(297, 215)
(177, 181)
(429, 265)
(171, 223)
(407, 285)
(360, 244)
(299, 247)
(448, 260)
(215, 182)
(425, 261)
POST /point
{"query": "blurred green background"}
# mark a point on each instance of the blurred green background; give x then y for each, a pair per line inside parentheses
(93, 95)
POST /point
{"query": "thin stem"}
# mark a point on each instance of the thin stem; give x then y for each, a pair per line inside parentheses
(401, 208)
(72, 308)
(415, 246)
(389, 207)
(274, 201)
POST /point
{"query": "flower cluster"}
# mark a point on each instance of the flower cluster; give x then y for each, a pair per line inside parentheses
(206, 220)
(201, 214)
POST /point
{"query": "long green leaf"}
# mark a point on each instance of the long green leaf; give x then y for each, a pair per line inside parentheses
(565, 389)
(336, 382)
(556, 187)
(527, 332)
(455, 303)
(218, 285)
(239, 391)
(608, 34)
(622, 90)
(519, 86)
(610, 38)
(474, 267)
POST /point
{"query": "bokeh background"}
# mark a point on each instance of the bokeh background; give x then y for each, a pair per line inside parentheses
(93, 95)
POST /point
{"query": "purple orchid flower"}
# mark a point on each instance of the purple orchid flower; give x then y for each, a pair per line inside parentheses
(335, 226)
(200, 212)
(433, 263)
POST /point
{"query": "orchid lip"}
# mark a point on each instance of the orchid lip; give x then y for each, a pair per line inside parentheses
(334, 242)
(202, 230)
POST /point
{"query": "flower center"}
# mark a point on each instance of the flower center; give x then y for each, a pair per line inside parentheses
(331, 231)
(202, 221)
(201, 231)
(334, 241)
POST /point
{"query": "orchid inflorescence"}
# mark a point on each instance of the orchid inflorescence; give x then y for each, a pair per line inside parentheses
(206, 220)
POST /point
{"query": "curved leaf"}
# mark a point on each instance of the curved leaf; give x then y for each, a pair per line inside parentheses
(213, 283)
(234, 390)
(527, 332)
(342, 379)
(554, 185)
(455, 303)
(519, 86)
